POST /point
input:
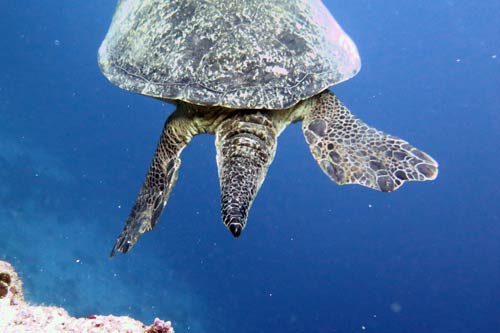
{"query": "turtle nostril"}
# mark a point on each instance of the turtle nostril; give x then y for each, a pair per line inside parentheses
(235, 229)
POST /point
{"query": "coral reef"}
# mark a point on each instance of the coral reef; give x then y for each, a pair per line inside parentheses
(17, 316)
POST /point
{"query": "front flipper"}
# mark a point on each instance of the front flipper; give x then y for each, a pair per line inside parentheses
(160, 180)
(351, 152)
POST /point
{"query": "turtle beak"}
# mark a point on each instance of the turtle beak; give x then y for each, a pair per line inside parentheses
(235, 207)
(236, 229)
(238, 190)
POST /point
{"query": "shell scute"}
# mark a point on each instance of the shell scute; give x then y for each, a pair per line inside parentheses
(238, 54)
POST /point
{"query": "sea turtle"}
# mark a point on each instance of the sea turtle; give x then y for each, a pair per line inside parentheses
(244, 70)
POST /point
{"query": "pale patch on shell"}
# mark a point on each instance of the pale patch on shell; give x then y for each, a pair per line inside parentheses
(279, 70)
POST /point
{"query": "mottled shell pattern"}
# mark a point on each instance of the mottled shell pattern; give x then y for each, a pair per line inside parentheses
(234, 53)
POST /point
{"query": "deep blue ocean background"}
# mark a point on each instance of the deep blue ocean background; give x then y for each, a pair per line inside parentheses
(314, 257)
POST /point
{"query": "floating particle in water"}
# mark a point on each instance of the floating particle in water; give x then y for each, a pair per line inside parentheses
(396, 307)
(57, 42)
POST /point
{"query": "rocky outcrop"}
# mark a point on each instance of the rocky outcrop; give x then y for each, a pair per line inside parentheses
(17, 316)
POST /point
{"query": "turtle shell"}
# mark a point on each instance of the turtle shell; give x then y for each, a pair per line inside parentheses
(233, 53)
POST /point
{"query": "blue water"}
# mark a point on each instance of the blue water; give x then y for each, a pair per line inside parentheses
(315, 257)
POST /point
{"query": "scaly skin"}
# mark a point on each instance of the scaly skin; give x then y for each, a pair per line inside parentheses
(160, 179)
(351, 152)
(246, 144)
(346, 149)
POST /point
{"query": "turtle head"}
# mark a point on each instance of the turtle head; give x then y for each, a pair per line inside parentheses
(246, 144)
